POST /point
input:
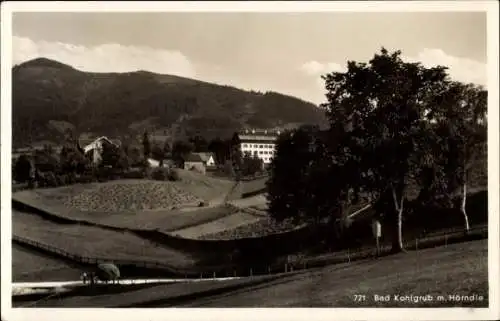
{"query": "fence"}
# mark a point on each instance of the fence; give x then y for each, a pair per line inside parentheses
(253, 178)
(288, 264)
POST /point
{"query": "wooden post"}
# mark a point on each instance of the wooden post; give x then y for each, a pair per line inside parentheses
(348, 256)
(285, 268)
(251, 272)
(268, 270)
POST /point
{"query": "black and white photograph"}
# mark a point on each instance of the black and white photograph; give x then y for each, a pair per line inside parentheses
(250, 158)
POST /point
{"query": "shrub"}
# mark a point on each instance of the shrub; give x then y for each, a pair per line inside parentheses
(134, 174)
(160, 174)
(84, 179)
(48, 179)
(173, 175)
(22, 169)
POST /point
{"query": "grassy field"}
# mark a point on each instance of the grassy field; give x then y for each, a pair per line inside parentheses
(164, 220)
(220, 225)
(28, 266)
(258, 202)
(202, 186)
(253, 185)
(459, 269)
(94, 242)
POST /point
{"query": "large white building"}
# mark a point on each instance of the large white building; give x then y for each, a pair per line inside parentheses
(260, 143)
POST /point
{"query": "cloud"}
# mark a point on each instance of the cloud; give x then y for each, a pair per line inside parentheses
(460, 69)
(104, 58)
(315, 68)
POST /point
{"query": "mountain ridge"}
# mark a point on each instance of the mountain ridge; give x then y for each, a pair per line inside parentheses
(48, 92)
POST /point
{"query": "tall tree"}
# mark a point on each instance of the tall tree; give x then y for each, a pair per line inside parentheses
(302, 186)
(157, 152)
(382, 105)
(180, 150)
(22, 169)
(458, 123)
(167, 149)
(146, 145)
(200, 145)
(114, 157)
(235, 151)
(72, 161)
(220, 150)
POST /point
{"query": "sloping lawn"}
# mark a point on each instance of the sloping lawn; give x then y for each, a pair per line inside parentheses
(459, 269)
(30, 266)
(95, 242)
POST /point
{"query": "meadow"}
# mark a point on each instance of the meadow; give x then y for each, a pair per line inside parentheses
(27, 265)
(458, 269)
(90, 241)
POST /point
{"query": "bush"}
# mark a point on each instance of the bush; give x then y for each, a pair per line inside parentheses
(22, 169)
(48, 179)
(135, 174)
(160, 174)
(173, 175)
(85, 179)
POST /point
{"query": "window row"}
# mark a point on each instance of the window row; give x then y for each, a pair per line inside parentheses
(260, 152)
(258, 146)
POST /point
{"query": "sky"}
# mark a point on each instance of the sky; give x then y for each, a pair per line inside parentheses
(283, 52)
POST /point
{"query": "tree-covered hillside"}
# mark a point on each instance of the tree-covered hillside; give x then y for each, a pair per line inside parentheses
(50, 97)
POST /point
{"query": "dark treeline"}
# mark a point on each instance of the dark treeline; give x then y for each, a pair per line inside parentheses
(48, 167)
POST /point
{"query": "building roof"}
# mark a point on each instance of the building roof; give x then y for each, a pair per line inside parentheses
(84, 143)
(199, 157)
(261, 132)
(194, 157)
(205, 156)
(264, 135)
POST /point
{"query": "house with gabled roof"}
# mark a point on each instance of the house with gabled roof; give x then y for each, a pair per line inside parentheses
(199, 162)
(93, 148)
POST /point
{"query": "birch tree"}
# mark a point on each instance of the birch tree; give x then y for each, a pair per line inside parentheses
(459, 120)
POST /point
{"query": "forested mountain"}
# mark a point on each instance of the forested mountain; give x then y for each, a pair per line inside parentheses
(50, 97)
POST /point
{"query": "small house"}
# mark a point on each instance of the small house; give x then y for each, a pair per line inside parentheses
(208, 159)
(93, 149)
(199, 162)
(154, 163)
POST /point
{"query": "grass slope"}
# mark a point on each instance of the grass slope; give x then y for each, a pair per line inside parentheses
(93, 242)
(29, 266)
(459, 269)
(136, 203)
